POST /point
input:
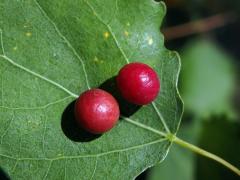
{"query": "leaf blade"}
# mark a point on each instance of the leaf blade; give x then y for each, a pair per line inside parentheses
(59, 60)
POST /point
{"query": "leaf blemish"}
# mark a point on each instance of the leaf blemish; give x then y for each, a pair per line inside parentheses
(150, 41)
(96, 60)
(106, 35)
(28, 34)
(126, 33)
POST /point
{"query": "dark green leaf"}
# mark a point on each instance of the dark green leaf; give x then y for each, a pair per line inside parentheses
(222, 138)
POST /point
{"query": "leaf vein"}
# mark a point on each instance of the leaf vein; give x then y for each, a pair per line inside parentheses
(161, 117)
(48, 169)
(14, 167)
(67, 42)
(65, 170)
(95, 168)
(1, 39)
(44, 132)
(39, 76)
(89, 155)
(5, 132)
(110, 30)
(39, 107)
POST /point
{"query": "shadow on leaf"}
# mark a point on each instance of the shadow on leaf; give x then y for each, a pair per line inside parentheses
(3, 175)
(127, 109)
(71, 128)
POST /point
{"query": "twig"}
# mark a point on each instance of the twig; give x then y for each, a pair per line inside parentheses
(206, 154)
(199, 26)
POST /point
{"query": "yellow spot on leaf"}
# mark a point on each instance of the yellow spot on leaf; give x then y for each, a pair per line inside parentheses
(128, 23)
(28, 34)
(96, 60)
(106, 35)
(150, 41)
(15, 48)
(126, 33)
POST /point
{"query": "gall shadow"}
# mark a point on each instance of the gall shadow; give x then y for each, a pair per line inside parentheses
(127, 109)
(3, 175)
(71, 128)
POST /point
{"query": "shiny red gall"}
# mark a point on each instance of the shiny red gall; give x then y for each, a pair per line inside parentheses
(96, 111)
(138, 83)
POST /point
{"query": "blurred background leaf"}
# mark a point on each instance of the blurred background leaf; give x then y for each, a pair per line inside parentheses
(222, 138)
(208, 79)
(217, 135)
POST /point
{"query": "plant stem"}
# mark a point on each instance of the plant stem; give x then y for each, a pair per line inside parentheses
(205, 153)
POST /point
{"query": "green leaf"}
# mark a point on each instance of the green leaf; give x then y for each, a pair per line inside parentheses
(180, 159)
(207, 79)
(53, 50)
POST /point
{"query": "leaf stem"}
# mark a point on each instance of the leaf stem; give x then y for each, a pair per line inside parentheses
(205, 153)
